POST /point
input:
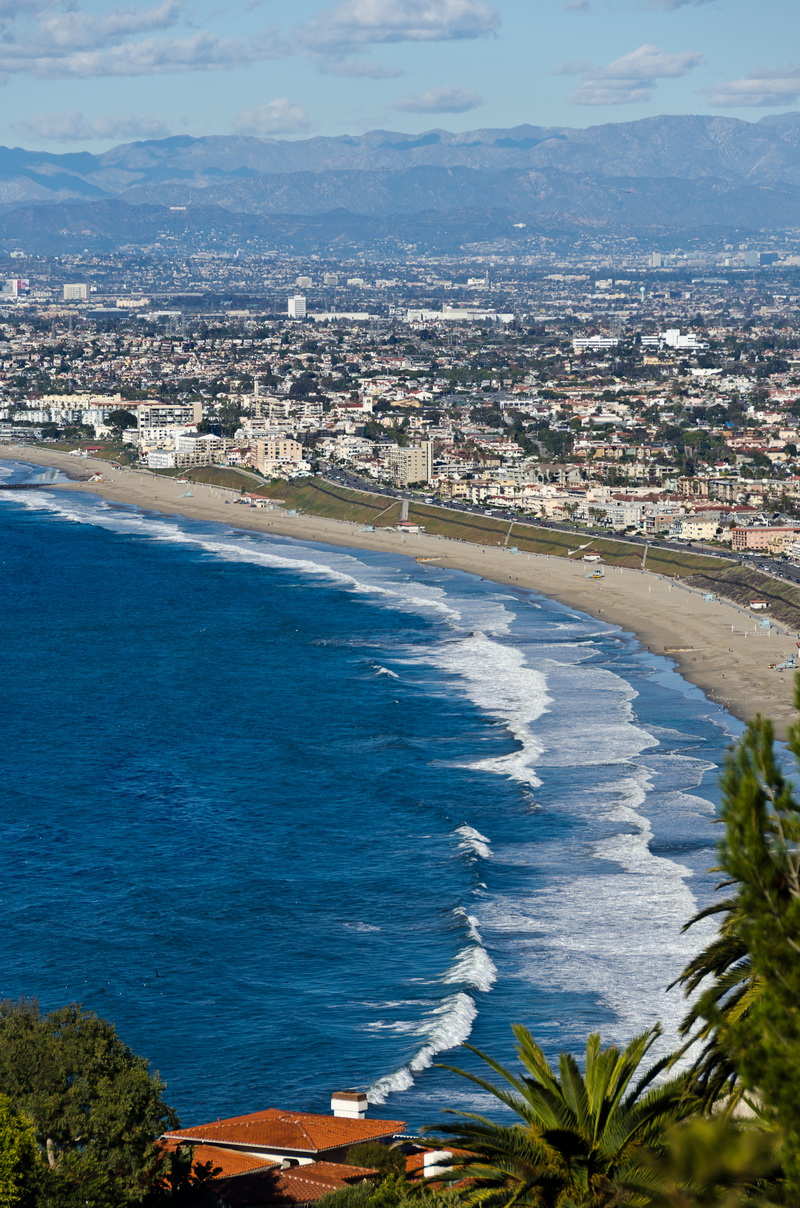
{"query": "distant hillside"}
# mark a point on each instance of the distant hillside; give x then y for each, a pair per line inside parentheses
(662, 172)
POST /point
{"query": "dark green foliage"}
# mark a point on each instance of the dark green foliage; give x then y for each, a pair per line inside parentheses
(727, 963)
(376, 1156)
(713, 1163)
(96, 1108)
(393, 1192)
(748, 1015)
(122, 419)
(580, 1135)
(182, 1182)
(761, 854)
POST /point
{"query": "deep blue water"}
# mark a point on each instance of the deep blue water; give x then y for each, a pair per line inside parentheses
(300, 819)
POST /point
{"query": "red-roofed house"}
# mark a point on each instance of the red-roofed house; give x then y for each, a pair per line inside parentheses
(284, 1159)
(275, 1134)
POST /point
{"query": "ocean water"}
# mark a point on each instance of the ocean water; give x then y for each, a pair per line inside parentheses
(300, 819)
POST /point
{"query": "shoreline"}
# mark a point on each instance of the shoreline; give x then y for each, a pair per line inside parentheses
(717, 646)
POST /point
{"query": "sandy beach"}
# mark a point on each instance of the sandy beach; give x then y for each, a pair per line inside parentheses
(716, 645)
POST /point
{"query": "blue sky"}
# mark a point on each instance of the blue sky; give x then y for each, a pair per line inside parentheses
(86, 74)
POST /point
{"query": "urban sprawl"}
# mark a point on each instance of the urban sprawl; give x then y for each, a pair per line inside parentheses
(661, 398)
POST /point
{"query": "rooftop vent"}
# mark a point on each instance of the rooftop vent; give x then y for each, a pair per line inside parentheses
(350, 1105)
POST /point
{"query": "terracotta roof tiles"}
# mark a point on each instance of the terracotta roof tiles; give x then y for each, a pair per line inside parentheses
(277, 1130)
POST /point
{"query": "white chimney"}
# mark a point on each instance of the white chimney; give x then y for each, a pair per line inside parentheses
(435, 1163)
(350, 1105)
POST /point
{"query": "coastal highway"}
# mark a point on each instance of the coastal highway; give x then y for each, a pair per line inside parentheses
(772, 566)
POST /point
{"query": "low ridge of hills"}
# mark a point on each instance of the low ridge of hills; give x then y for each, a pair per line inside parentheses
(657, 173)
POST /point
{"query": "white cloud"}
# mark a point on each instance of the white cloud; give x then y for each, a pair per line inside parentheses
(768, 89)
(74, 30)
(630, 79)
(672, 5)
(356, 24)
(440, 100)
(280, 116)
(57, 39)
(71, 126)
(201, 51)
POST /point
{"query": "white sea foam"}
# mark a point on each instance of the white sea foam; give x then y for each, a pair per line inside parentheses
(468, 920)
(445, 1027)
(613, 927)
(450, 1022)
(497, 678)
(386, 671)
(474, 842)
(474, 967)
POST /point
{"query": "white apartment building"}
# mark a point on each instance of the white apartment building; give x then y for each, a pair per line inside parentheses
(164, 437)
(279, 453)
(190, 442)
(159, 415)
(593, 343)
(412, 463)
(691, 529)
(296, 306)
(78, 291)
(672, 338)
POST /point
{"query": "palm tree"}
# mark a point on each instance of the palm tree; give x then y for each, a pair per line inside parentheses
(580, 1137)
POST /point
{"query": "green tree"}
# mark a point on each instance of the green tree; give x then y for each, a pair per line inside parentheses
(374, 1155)
(97, 1109)
(122, 419)
(393, 1192)
(182, 1182)
(19, 1156)
(580, 1135)
(751, 1005)
(716, 1162)
(724, 999)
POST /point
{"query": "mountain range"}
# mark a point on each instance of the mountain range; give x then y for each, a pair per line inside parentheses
(647, 176)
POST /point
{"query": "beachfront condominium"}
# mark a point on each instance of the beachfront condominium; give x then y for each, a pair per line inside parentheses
(410, 463)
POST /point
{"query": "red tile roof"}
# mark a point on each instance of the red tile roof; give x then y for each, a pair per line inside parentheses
(275, 1131)
(227, 1161)
(288, 1188)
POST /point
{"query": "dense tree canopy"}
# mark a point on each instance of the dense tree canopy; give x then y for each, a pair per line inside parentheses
(97, 1111)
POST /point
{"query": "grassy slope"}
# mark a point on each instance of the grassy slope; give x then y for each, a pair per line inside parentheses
(218, 476)
(108, 450)
(321, 498)
(742, 584)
